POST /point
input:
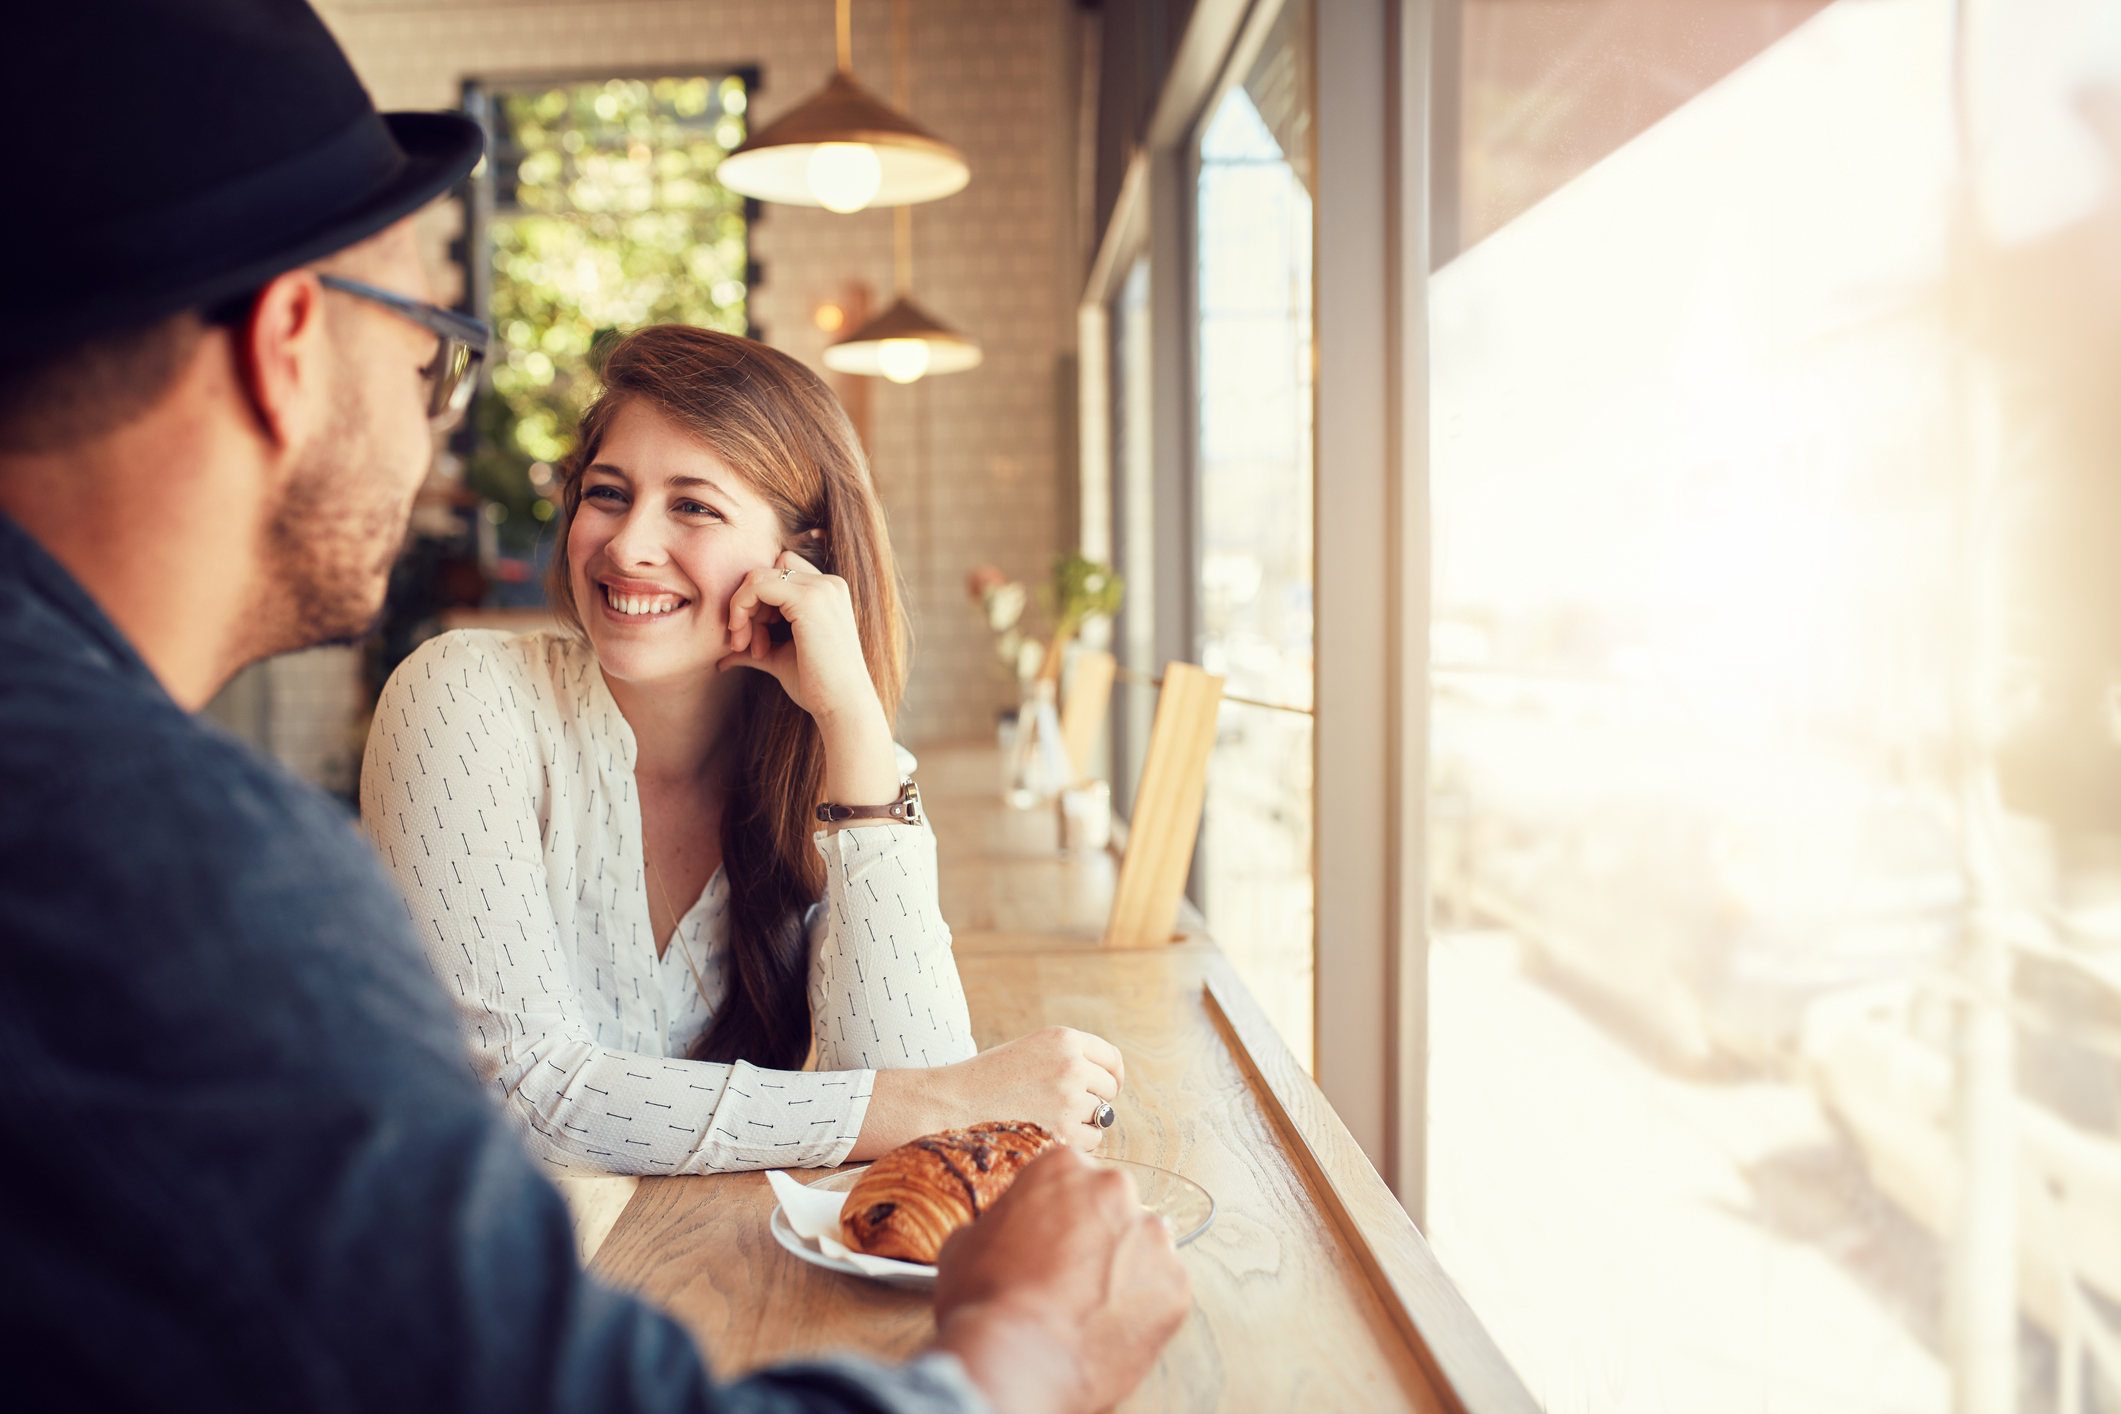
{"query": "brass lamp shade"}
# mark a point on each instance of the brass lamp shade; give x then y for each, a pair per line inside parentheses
(903, 343)
(774, 164)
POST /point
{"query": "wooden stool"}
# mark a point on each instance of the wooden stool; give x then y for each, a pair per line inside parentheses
(1167, 804)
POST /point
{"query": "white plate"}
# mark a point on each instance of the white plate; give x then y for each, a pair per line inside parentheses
(1185, 1206)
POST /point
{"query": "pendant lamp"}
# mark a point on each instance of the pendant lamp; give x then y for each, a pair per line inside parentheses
(905, 342)
(843, 148)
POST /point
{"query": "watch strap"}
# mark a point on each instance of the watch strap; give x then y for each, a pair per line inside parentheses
(906, 809)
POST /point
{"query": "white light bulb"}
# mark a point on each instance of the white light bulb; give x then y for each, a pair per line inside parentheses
(902, 360)
(844, 176)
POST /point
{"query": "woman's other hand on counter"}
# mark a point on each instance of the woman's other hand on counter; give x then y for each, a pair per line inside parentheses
(1056, 1078)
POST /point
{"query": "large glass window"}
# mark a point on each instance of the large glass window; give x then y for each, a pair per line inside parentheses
(1254, 356)
(1545, 89)
(1775, 813)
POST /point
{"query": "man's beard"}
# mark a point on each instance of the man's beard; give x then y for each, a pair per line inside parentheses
(330, 543)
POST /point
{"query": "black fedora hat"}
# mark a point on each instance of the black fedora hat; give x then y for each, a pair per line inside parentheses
(180, 152)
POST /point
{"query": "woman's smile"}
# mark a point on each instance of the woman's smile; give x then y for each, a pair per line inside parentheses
(634, 601)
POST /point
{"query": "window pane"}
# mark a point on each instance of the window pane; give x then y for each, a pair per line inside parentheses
(1254, 283)
(1550, 87)
(1736, 504)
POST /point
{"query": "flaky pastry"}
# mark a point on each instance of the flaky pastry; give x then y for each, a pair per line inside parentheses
(912, 1199)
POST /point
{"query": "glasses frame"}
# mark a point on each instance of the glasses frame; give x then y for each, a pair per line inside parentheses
(452, 374)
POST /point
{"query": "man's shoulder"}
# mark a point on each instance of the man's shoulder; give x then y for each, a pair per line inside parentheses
(117, 793)
(119, 787)
(69, 723)
(147, 851)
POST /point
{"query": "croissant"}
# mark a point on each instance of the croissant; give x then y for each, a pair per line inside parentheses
(912, 1199)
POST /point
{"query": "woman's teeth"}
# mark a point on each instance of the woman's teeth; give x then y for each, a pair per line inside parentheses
(641, 605)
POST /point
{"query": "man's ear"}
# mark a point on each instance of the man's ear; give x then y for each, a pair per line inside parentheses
(284, 357)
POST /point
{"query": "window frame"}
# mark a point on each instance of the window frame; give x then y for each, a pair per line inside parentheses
(1370, 507)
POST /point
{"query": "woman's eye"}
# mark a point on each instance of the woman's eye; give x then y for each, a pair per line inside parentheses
(610, 494)
(694, 508)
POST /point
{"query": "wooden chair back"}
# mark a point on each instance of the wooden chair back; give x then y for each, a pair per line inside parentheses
(1166, 819)
(1083, 712)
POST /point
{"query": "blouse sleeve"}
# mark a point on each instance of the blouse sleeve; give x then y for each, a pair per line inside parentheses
(884, 989)
(447, 797)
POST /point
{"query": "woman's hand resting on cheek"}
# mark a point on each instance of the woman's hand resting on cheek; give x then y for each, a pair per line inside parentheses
(820, 666)
(822, 669)
(1055, 1077)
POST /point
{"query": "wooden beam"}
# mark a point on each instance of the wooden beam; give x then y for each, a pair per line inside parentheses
(1166, 817)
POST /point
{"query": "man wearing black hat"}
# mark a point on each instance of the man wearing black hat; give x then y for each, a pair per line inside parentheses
(243, 1163)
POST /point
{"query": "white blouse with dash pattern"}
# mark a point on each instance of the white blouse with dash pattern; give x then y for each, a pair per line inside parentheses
(498, 785)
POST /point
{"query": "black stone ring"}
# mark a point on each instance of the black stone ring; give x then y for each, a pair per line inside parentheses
(1105, 1115)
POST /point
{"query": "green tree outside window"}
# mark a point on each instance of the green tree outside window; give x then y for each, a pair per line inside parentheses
(606, 216)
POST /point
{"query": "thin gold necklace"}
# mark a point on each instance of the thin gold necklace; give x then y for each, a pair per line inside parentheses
(677, 938)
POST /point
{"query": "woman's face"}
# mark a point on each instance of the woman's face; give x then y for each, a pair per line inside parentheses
(664, 534)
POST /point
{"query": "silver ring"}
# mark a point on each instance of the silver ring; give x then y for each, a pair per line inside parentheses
(1105, 1115)
(786, 572)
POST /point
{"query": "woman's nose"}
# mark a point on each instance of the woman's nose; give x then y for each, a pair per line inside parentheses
(637, 542)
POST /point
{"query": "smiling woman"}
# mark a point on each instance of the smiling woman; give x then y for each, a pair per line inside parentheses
(566, 811)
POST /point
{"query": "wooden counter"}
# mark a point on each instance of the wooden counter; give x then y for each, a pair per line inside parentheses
(1312, 1290)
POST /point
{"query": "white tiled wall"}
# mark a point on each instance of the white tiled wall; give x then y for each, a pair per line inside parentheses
(967, 463)
(305, 710)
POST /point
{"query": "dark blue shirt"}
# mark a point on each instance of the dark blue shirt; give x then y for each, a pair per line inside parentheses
(243, 1163)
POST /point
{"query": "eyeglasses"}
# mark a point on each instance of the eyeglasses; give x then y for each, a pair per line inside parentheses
(464, 339)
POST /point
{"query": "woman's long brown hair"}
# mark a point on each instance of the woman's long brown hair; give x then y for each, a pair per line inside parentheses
(777, 425)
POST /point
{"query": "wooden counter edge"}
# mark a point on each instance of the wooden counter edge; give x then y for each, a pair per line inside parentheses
(1446, 1337)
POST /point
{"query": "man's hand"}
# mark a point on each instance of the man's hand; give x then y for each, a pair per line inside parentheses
(1060, 1298)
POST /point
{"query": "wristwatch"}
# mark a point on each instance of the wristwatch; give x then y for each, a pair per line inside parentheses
(906, 809)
